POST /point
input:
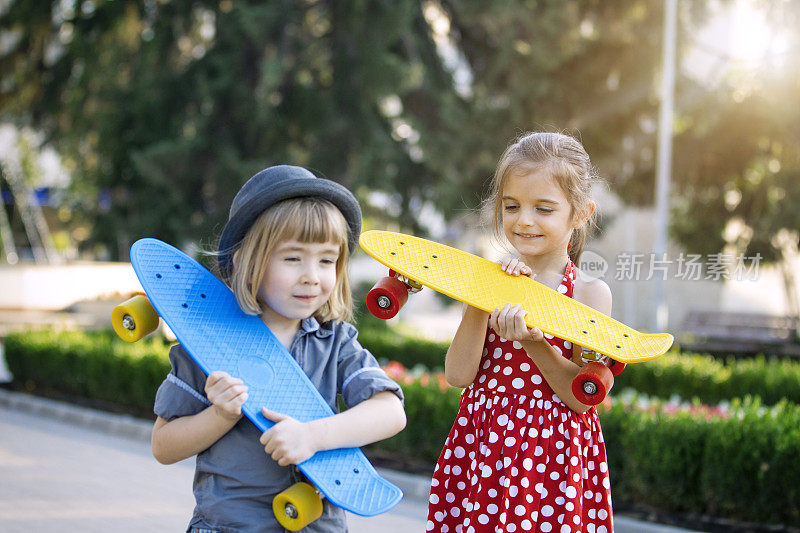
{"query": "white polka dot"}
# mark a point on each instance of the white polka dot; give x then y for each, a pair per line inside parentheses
(492, 384)
(546, 527)
(547, 510)
(483, 519)
(459, 452)
(527, 464)
(524, 367)
(562, 289)
(565, 529)
(429, 526)
(519, 510)
(462, 421)
(434, 499)
(517, 345)
(507, 371)
(510, 441)
(602, 514)
(455, 511)
(536, 379)
(526, 525)
(571, 492)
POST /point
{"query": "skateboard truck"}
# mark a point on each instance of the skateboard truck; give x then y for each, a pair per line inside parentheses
(390, 294)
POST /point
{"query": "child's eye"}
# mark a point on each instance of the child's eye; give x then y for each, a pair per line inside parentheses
(510, 207)
(545, 210)
(291, 258)
(328, 261)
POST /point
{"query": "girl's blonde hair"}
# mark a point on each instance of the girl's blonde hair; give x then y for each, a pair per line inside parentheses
(306, 220)
(566, 160)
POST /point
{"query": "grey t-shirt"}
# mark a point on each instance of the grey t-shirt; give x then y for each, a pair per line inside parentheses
(235, 480)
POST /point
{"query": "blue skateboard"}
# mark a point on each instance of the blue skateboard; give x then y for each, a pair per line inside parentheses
(205, 317)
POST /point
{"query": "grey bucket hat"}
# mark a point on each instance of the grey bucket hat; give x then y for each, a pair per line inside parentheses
(273, 185)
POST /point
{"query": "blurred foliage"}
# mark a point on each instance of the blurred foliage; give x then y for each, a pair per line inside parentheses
(162, 109)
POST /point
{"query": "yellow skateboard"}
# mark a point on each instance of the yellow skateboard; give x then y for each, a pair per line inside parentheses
(481, 283)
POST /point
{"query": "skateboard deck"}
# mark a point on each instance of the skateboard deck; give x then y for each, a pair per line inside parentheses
(205, 317)
(482, 283)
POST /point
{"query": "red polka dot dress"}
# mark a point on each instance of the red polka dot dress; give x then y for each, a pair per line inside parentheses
(517, 458)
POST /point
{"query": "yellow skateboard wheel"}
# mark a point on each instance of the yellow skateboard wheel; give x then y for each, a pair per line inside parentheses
(134, 318)
(297, 506)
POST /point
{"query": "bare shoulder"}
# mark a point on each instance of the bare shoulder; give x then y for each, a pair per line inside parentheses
(593, 292)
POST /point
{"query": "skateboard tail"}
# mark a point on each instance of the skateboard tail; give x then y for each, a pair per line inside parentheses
(369, 493)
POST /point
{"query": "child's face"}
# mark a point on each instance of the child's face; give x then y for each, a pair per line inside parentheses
(299, 278)
(537, 217)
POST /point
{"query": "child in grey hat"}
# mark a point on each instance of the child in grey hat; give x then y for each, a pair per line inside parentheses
(284, 253)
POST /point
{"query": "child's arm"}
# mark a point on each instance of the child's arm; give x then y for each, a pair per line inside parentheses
(292, 442)
(465, 351)
(559, 371)
(186, 436)
(464, 354)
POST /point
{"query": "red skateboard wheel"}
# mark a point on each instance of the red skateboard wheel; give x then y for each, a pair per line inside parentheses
(617, 367)
(387, 297)
(592, 383)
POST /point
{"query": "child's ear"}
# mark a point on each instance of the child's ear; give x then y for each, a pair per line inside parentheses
(584, 216)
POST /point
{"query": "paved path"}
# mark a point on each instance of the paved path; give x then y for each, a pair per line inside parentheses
(69, 469)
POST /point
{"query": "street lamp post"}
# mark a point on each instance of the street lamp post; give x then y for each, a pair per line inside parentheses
(663, 169)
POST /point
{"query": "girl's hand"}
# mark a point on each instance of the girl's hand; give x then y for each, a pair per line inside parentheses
(288, 442)
(514, 267)
(227, 394)
(509, 323)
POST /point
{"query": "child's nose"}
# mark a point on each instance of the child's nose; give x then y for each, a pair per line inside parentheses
(310, 275)
(525, 217)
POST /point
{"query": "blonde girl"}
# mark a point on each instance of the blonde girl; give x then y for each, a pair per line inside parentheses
(524, 454)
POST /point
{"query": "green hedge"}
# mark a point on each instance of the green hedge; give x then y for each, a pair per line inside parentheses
(388, 345)
(93, 365)
(711, 380)
(742, 466)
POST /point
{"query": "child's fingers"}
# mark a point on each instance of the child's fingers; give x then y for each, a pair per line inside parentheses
(272, 415)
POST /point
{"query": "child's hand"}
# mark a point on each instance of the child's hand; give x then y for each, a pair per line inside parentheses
(288, 442)
(509, 323)
(227, 394)
(514, 267)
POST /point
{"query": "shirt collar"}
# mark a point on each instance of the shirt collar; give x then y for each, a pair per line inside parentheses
(310, 325)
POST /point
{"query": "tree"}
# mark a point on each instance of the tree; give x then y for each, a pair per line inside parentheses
(163, 109)
(738, 159)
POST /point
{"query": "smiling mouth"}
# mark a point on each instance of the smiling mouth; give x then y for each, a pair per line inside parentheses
(528, 235)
